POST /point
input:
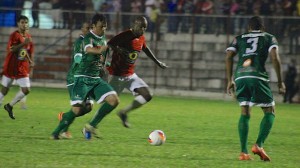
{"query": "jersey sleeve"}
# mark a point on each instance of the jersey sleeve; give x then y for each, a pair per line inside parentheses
(77, 51)
(87, 42)
(273, 43)
(13, 40)
(233, 45)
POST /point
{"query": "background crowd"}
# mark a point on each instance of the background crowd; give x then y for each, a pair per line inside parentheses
(152, 8)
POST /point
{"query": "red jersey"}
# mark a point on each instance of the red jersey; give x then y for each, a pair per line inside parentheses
(123, 64)
(16, 64)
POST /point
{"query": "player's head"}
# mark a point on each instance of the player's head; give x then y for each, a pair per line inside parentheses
(139, 25)
(256, 23)
(85, 27)
(22, 22)
(99, 24)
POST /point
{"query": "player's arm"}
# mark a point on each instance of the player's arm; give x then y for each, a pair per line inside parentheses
(77, 50)
(16, 48)
(149, 53)
(94, 50)
(229, 68)
(277, 66)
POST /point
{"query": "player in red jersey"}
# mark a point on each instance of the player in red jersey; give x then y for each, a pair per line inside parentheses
(126, 47)
(18, 64)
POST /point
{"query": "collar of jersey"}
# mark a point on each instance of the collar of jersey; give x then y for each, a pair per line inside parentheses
(255, 31)
(95, 34)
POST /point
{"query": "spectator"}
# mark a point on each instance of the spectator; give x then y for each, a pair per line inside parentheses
(66, 15)
(188, 9)
(289, 81)
(294, 34)
(97, 4)
(223, 21)
(173, 20)
(298, 7)
(19, 4)
(207, 9)
(116, 9)
(35, 13)
(56, 14)
(198, 19)
(78, 16)
(125, 8)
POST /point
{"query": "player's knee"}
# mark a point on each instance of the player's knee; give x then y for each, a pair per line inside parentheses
(26, 91)
(269, 110)
(113, 100)
(85, 109)
(148, 97)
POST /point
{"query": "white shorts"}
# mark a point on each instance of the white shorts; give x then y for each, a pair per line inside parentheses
(129, 82)
(22, 82)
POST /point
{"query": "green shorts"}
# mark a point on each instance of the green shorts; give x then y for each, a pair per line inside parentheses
(95, 88)
(253, 91)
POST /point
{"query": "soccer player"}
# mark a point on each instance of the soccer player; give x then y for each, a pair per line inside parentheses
(251, 80)
(126, 47)
(87, 82)
(76, 59)
(17, 64)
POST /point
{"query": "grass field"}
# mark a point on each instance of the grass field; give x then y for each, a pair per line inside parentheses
(200, 133)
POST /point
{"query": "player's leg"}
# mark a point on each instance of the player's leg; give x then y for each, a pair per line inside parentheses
(243, 128)
(23, 103)
(264, 98)
(66, 120)
(6, 84)
(142, 95)
(81, 91)
(243, 95)
(24, 84)
(103, 92)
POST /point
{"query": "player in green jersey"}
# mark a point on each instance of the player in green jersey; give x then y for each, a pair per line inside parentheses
(87, 82)
(76, 59)
(251, 81)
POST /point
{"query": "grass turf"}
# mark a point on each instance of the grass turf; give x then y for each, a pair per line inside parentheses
(200, 133)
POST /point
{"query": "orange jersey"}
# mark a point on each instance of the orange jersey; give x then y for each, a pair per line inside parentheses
(16, 64)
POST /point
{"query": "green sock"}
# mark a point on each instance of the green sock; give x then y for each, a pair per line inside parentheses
(243, 128)
(67, 119)
(265, 128)
(70, 122)
(101, 113)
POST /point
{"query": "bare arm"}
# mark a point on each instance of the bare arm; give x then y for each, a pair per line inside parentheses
(149, 53)
(229, 67)
(277, 66)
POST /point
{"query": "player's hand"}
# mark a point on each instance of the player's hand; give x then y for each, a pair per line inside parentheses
(103, 48)
(281, 88)
(31, 64)
(162, 65)
(27, 40)
(230, 88)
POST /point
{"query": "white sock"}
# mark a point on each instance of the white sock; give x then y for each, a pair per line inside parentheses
(1, 98)
(17, 98)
